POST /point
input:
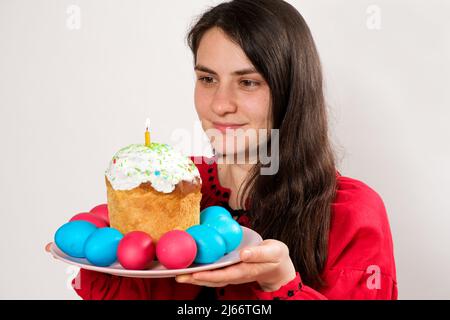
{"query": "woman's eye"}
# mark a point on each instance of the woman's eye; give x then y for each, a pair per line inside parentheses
(249, 83)
(206, 80)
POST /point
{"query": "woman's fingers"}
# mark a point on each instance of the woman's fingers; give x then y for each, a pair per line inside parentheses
(233, 274)
(263, 259)
(47, 246)
(269, 251)
(207, 283)
(239, 273)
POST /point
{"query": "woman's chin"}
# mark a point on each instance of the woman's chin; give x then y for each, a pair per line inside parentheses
(232, 157)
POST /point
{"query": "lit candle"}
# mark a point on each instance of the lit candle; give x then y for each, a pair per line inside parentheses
(147, 134)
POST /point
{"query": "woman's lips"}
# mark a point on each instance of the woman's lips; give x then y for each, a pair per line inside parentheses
(224, 126)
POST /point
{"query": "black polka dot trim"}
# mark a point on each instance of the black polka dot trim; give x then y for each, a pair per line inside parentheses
(226, 195)
(285, 292)
(210, 170)
(218, 193)
(211, 178)
(213, 186)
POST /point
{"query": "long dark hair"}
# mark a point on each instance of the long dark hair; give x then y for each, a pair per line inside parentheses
(293, 205)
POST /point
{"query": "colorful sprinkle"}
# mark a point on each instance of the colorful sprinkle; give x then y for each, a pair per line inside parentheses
(136, 162)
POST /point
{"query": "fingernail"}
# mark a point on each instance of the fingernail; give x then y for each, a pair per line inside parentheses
(182, 278)
(246, 254)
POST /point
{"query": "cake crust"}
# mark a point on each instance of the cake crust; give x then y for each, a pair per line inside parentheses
(145, 209)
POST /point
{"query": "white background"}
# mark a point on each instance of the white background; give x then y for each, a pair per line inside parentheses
(70, 98)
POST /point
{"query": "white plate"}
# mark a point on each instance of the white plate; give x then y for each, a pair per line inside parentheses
(157, 270)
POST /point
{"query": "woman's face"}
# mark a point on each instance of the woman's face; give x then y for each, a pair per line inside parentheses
(229, 93)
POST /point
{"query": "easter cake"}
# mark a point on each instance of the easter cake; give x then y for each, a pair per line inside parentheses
(152, 188)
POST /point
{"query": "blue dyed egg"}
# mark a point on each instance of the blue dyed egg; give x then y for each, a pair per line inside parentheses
(229, 229)
(71, 237)
(213, 213)
(101, 247)
(210, 244)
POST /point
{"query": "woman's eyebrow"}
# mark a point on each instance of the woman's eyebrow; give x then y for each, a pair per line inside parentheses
(241, 72)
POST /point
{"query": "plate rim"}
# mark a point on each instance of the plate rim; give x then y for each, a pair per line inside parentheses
(161, 273)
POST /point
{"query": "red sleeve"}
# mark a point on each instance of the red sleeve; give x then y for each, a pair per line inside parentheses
(92, 285)
(349, 284)
(294, 290)
(360, 263)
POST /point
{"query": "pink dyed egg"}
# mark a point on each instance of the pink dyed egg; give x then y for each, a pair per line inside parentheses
(176, 249)
(136, 250)
(101, 211)
(89, 217)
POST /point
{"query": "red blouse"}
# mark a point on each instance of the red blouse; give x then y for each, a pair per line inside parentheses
(360, 262)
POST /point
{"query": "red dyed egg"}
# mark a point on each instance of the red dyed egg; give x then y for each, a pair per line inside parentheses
(89, 217)
(101, 211)
(136, 250)
(176, 249)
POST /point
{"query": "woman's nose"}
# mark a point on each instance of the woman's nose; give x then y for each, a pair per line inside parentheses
(223, 101)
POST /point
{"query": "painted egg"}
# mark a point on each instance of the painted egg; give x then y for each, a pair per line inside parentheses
(210, 244)
(72, 236)
(176, 249)
(101, 211)
(89, 217)
(229, 229)
(213, 213)
(101, 246)
(136, 250)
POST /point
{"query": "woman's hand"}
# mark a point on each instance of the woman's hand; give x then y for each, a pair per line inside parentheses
(268, 264)
(47, 246)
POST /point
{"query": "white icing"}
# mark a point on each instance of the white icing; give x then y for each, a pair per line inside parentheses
(159, 164)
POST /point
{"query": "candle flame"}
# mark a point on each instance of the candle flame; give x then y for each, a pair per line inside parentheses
(147, 124)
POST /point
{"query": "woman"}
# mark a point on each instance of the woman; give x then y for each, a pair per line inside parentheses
(326, 236)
